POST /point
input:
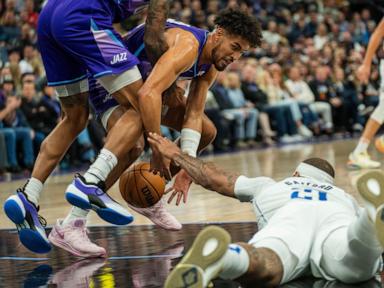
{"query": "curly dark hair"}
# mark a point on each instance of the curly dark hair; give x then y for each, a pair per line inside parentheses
(322, 165)
(239, 23)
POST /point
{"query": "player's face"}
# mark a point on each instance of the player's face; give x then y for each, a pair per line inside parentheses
(229, 48)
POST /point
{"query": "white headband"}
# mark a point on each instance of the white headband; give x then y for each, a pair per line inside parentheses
(307, 170)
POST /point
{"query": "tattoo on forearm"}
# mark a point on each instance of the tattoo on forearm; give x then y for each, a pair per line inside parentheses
(155, 43)
(207, 174)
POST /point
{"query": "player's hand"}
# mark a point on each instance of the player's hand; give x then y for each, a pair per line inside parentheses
(163, 145)
(180, 188)
(160, 164)
(363, 73)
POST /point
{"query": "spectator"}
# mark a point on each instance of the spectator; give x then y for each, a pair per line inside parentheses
(322, 89)
(39, 115)
(222, 124)
(13, 64)
(15, 130)
(321, 37)
(346, 91)
(270, 35)
(300, 90)
(279, 96)
(259, 99)
(234, 106)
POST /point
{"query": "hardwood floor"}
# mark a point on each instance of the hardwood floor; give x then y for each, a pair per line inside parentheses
(203, 205)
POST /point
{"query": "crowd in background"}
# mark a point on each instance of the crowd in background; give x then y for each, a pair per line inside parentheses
(299, 84)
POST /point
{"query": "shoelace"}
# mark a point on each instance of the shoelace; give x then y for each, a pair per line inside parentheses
(42, 221)
(101, 185)
(84, 234)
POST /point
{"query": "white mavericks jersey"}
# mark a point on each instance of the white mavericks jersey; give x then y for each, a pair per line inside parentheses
(268, 196)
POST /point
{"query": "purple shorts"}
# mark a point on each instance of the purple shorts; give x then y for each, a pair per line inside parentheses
(76, 37)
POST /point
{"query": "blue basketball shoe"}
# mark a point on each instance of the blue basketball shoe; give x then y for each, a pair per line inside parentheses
(92, 196)
(30, 225)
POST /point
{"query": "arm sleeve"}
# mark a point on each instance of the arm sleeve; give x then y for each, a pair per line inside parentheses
(248, 188)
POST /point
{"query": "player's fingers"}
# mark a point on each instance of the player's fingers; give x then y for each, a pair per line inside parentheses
(168, 175)
(168, 190)
(153, 137)
(152, 141)
(185, 195)
(179, 197)
(171, 197)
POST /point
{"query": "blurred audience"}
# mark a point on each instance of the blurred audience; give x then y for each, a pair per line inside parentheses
(299, 83)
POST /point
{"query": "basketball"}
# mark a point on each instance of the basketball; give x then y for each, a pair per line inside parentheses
(140, 187)
(379, 144)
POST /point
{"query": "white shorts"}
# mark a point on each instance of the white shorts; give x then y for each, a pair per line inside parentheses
(296, 233)
(111, 83)
(105, 116)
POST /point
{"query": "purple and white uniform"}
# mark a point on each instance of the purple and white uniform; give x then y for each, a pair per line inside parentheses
(76, 38)
(134, 41)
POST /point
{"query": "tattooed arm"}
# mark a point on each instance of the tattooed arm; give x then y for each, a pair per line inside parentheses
(154, 39)
(207, 174)
(203, 173)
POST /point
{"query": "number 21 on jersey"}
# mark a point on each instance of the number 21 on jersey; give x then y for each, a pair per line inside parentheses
(308, 194)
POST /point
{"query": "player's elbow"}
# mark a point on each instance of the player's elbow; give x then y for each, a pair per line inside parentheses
(147, 94)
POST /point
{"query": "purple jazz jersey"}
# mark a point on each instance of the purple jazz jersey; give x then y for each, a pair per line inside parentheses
(127, 8)
(102, 101)
(134, 41)
(76, 37)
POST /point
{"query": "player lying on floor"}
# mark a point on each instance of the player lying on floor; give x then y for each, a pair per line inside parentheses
(307, 226)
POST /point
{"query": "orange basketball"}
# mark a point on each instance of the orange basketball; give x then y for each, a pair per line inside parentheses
(141, 188)
(379, 144)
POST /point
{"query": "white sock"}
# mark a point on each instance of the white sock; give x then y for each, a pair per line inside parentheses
(235, 262)
(75, 213)
(362, 146)
(101, 168)
(33, 189)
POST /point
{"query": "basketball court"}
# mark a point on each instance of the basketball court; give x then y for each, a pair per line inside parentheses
(140, 254)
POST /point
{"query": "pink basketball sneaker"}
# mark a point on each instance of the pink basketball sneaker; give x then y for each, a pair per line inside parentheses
(160, 216)
(73, 238)
(79, 274)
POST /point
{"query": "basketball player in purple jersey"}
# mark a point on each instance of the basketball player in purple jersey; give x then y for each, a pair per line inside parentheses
(76, 37)
(198, 56)
(194, 54)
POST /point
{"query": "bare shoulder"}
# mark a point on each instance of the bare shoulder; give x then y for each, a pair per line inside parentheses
(181, 38)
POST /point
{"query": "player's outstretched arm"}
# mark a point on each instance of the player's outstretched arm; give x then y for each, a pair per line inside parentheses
(206, 174)
(376, 38)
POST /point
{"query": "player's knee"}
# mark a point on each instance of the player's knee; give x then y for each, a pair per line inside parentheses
(77, 120)
(209, 132)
